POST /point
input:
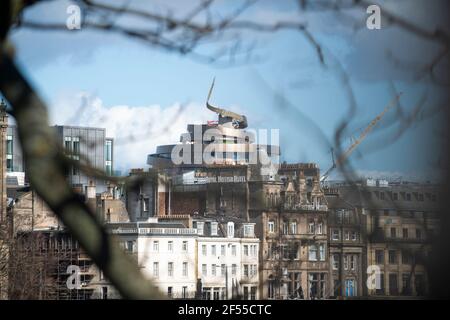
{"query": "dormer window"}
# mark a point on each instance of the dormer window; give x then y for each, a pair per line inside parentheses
(248, 231)
(200, 226)
(214, 228)
(230, 230)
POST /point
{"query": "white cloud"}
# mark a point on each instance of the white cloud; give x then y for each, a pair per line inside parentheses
(137, 130)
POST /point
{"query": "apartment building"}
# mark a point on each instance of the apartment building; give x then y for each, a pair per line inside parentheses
(401, 225)
(347, 246)
(228, 263)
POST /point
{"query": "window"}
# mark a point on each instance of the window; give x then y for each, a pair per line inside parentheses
(230, 229)
(284, 251)
(406, 257)
(392, 256)
(346, 216)
(76, 147)
(419, 284)
(246, 250)
(246, 293)
(285, 228)
(233, 269)
(393, 232)
(252, 293)
(335, 235)
(222, 250)
(408, 197)
(317, 285)
(313, 253)
(253, 250)
(353, 262)
(354, 236)
(347, 235)
(170, 269)
(345, 262)
(393, 284)
(271, 226)
(9, 144)
(108, 157)
(249, 230)
(233, 250)
(169, 292)
(145, 204)
(252, 270)
(223, 270)
(170, 246)
(335, 261)
(9, 153)
(204, 249)
(185, 269)
(155, 269)
(184, 246)
(418, 233)
(213, 270)
(156, 246)
(200, 228)
(271, 288)
(320, 228)
(294, 227)
(339, 216)
(381, 289)
(395, 196)
(206, 293)
(213, 250)
(406, 284)
(75, 171)
(405, 233)
(322, 252)
(379, 256)
(204, 270)
(311, 228)
(184, 294)
(68, 144)
(104, 293)
(245, 270)
(214, 228)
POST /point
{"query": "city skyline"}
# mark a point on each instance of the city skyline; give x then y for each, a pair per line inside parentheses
(287, 65)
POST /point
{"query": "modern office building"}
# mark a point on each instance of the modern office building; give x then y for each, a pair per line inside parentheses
(82, 144)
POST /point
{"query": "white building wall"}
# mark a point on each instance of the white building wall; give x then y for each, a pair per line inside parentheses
(148, 255)
(219, 282)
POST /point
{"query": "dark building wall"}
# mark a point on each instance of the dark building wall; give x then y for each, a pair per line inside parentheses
(140, 199)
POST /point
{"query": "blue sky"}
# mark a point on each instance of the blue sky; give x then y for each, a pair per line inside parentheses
(145, 87)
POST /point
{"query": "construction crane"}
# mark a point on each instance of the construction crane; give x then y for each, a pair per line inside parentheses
(358, 141)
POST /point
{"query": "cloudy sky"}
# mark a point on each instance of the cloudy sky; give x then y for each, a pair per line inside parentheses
(145, 96)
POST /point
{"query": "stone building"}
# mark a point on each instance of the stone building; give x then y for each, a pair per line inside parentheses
(292, 225)
(347, 246)
(401, 223)
(4, 255)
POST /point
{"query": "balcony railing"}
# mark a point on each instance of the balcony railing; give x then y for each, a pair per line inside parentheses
(159, 231)
(170, 231)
